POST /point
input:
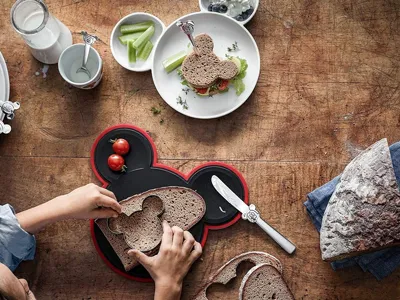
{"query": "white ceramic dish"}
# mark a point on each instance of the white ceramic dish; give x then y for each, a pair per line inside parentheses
(224, 32)
(205, 3)
(119, 51)
(4, 80)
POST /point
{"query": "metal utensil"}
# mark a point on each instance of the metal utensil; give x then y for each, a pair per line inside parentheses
(250, 214)
(89, 40)
(188, 28)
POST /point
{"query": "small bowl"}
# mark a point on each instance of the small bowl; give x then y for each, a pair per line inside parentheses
(71, 60)
(205, 3)
(119, 51)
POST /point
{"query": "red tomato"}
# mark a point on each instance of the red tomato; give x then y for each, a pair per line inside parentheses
(120, 146)
(223, 85)
(202, 90)
(116, 163)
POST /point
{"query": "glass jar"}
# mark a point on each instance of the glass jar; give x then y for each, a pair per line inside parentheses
(45, 35)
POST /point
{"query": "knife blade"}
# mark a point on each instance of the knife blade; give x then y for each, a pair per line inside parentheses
(250, 214)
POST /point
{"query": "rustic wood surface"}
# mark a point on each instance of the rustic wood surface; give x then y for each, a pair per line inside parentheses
(329, 86)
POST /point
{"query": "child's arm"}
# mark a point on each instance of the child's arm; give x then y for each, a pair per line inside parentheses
(13, 288)
(178, 251)
(87, 202)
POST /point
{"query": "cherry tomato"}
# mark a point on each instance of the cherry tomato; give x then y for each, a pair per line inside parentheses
(223, 84)
(116, 162)
(202, 90)
(120, 146)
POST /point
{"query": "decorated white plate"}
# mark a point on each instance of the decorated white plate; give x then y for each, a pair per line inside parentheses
(224, 31)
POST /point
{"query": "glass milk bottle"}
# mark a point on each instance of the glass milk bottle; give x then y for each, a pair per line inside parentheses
(45, 35)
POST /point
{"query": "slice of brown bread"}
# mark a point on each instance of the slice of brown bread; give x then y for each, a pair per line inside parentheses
(363, 214)
(141, 227)
(148, 227)
(117, 242)
(264, 282)
(202, 68)
(228, 270)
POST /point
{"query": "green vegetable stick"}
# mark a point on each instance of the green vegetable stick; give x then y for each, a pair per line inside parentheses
(140, 50)
(146, 51)
(128, 37)
(174, 61)
(130, 28)
(144, 37)
(131, 52)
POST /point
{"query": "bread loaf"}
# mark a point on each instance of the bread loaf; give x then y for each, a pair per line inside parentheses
(363, 213)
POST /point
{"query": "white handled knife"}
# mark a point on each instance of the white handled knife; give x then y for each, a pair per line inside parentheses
(250, 214)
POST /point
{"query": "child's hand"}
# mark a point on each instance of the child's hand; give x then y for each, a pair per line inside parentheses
(178, 251)
(13, 288)
(89, 202)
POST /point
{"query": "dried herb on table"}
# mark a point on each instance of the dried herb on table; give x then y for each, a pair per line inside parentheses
(155, 110)
(162, 121)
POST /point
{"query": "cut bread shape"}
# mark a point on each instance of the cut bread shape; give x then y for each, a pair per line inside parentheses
(228, 270)
(179, 206)
(363, 213)
(203, 68)
(264, 282)
(147, 231)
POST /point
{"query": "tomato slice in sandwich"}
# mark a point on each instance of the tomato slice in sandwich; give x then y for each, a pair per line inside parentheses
(201, 90)
(223, 85)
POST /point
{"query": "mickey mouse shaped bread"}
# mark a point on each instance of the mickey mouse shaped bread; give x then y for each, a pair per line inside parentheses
(202, 67)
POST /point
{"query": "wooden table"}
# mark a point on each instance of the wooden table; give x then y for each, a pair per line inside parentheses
(329, 85)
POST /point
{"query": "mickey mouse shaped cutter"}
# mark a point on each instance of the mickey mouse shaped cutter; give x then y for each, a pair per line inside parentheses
(145, 173)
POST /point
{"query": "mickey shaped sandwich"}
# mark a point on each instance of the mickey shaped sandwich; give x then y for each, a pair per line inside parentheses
(204, 71)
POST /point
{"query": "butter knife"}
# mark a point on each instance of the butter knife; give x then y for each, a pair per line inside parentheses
(250, 214)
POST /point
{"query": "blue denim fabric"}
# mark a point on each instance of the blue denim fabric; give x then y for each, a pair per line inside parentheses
(16, 244)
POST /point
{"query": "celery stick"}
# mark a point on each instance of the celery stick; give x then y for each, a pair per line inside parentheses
(131, 52)
(144, 54)
(144, 37)
(140, 50)
(130, 28)
(127, 37)
(174, 61)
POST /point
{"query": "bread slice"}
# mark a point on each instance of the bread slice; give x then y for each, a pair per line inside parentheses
(264, 282)
(202, 68)
(363, 214)
(141, 227)
(117, 242)
(180, 206)
(228, 270)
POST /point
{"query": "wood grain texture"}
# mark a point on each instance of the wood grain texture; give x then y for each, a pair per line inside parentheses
(329, 85)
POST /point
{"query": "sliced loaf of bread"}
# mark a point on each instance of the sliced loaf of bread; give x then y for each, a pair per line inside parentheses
(363, 214)
(264, 282)
(228, 271)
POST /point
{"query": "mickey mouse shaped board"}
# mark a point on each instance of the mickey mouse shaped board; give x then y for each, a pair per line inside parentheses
(144, 174)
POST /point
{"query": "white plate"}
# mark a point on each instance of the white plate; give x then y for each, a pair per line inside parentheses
(224, 31)
(4, 80)
(119, 51)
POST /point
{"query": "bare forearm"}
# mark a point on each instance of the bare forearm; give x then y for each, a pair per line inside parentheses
(171, 292)
(35, 219)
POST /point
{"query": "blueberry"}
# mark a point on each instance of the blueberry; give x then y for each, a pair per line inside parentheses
(210, 7)
(223, 9)
(239, 18)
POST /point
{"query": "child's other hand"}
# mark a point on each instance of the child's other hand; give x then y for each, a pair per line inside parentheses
(178, 251)
(13, 288)
(89, 202)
